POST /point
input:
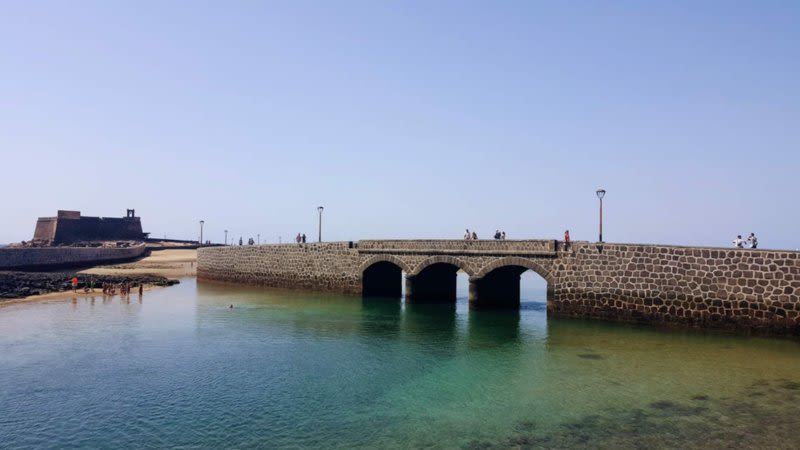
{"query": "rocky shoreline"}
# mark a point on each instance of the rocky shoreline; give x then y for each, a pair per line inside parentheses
(15, 285)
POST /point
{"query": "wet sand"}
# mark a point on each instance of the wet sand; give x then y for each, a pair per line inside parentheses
(173, 264)
(69, 295)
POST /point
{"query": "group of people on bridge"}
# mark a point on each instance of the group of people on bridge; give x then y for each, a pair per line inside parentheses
(473, 236)
(751, 241)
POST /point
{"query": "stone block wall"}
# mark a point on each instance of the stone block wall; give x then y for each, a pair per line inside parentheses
(462, 247)
(324, 267)
(737, 289)
(44, 257)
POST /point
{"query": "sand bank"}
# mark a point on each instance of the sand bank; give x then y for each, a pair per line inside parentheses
(173, 263)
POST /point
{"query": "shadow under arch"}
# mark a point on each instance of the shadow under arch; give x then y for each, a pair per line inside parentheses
(435, 283)
(497, 285)
(382, 277)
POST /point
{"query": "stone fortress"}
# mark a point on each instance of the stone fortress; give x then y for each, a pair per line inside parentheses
(69, 227)
(70, 239)
(735, 289)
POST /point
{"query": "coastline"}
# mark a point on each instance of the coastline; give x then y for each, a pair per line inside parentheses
(172, 264)
(69, 295)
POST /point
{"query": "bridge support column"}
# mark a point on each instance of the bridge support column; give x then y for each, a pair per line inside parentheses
(435, 284)
(499, 289)
(410, 287)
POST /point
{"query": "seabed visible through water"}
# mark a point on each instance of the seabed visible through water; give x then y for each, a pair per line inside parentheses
(179, 368)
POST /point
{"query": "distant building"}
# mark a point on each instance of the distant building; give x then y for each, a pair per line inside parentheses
(70, 226)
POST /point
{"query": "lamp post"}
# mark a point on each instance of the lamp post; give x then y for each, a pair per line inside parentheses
(201, 231)
(226, 237)
(600, 194)
(320, 208)
(258, 239)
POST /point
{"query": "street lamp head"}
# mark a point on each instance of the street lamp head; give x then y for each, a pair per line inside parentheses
(320, 208)
(202, 222)
(601, 193)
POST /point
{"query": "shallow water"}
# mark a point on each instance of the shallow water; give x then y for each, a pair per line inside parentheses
(297, 370)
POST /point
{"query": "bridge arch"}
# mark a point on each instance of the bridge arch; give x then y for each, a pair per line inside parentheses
(532, 264)
(382, 276)
(434, 280)
(385, 258)
(442, 259)
(497, 284)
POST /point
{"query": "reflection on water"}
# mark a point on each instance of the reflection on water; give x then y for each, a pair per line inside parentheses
(180, 367)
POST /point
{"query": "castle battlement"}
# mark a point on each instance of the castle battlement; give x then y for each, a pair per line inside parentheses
(71, 226)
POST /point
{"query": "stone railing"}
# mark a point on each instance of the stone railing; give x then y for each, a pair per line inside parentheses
(460, 247)
(42, 257)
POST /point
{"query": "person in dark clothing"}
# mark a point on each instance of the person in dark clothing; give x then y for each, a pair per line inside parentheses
(304, 238)
(497, 234)
(474, 236)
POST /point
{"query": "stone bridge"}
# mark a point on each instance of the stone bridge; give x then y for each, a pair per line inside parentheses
(710, 287)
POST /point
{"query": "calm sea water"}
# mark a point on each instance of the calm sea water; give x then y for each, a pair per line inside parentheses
(179, 368)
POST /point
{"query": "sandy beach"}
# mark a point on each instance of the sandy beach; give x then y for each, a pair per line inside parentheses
(172, 264)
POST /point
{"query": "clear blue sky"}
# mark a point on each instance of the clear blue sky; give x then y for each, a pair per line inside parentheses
(405, 119)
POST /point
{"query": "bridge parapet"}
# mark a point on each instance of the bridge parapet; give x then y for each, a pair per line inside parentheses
(541, 247)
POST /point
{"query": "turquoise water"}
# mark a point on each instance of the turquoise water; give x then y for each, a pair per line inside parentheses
(179, 368)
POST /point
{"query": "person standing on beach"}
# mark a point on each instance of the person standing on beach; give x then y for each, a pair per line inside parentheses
(141, 289)
(74, 284)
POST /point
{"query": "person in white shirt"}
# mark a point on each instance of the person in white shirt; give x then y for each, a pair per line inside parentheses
(752, 240)
(738, 242)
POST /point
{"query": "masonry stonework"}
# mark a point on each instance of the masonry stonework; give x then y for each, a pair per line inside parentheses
(44, 257)
(737, 289)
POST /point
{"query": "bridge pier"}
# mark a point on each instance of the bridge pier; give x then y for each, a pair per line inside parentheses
(499, 289)
(435, 284)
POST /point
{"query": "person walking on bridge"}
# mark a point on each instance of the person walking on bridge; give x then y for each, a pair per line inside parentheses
(497, 235)
(752, 240)
(467, 236)
(474, 236)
